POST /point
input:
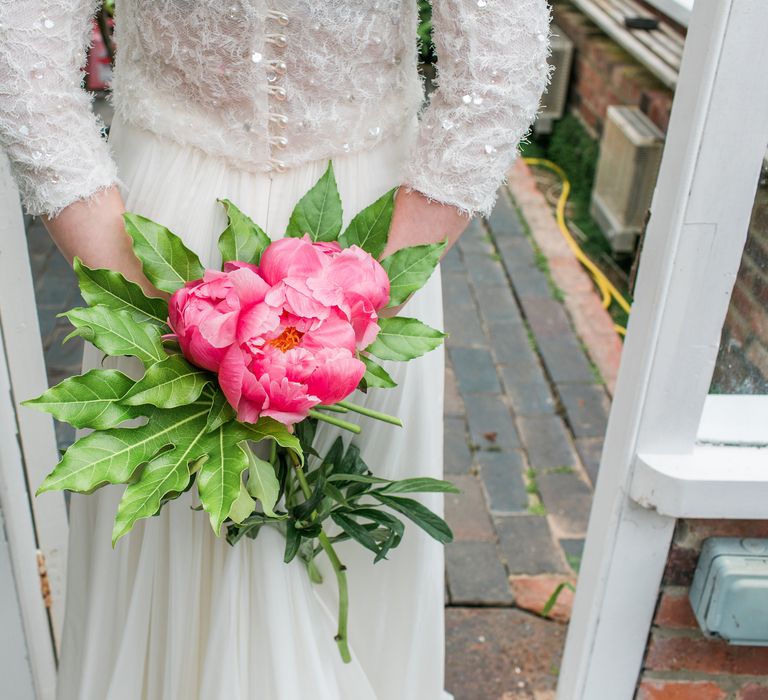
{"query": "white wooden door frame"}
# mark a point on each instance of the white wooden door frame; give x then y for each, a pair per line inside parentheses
(694, 242)
(28, 448)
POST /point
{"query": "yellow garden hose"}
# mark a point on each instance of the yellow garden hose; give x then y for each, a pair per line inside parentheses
(607, 289)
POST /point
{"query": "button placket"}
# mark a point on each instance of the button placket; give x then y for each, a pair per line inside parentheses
(275, 70)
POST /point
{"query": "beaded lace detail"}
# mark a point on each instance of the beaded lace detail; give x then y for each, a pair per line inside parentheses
(268, 85)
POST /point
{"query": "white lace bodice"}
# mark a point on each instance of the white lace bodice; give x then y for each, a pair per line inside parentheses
(269, 84)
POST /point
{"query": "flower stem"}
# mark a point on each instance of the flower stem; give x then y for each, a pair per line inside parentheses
(332, 407)
(394, 420)
(335, 421)
(338, 568)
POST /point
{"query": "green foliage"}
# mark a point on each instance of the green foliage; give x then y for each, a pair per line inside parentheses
(426, 47)
(318, 212)
(402, 338)
(409, 269)
(167, 384)
(243, 239)
(375, 375)
(370, 227)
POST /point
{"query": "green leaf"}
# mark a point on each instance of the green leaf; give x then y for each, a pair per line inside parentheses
(243, 506)
(402, 338)
(422, 516)
(318, 212)
(166, 473)
(370, 227)
(112, 456)
(270, 429)
(262, 483)
(421, 484)
(409, 269)
(359, 478)
(221, 411)
(111, 289)
(117, 333)
(218, 481)
(166, 261)
(292, 542)
(356, 531)
(89, 400)
(375, 375)
(243, 239)
(167, 384)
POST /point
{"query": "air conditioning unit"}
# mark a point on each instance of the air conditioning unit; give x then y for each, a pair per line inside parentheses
(630, 155)
(553, 100)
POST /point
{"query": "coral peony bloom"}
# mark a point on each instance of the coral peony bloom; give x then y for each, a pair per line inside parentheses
(207, 316)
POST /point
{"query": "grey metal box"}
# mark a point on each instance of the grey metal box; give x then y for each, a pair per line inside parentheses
(729, 594)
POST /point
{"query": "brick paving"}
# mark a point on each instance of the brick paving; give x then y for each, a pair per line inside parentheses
(525, 412)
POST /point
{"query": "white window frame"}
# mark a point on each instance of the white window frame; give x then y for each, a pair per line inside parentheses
(654, 468)
(678, 10)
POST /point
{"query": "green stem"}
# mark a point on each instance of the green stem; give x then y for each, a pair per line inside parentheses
(338, 568)
(378, 415)
(332, 407)
(346, 425)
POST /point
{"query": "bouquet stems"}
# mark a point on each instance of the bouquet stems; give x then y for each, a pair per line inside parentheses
(363, 411)
(338, 568)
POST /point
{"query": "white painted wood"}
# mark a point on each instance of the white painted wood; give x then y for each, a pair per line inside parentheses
(732, 419)
(710, 482)
(691, 255)
(678, 10)
(26, 365)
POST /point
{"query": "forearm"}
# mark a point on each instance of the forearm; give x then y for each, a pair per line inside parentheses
(93, 231)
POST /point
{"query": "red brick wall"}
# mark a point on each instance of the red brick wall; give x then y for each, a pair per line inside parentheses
(682, 664)
(604, 74)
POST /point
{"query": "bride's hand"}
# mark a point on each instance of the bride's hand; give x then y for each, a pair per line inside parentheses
(93, 231)
(416, 220)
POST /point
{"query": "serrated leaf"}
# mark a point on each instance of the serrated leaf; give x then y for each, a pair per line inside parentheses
(402, 338)
(117, 333)
(111, 289)
(409, 269)
(375, 375)
(318, 212)
(221, 411)
(243, 506)
(420, 484)
(164, 474)
(166, 261)
(262, 483)
(270, 429)
(419, 514)
(243, 239)
(89, 400)
(167, 384)
(112, 456)
(218, 481)
(370, 227)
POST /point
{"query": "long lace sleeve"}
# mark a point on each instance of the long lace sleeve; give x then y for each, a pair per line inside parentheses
(492, 71)
(46, 125)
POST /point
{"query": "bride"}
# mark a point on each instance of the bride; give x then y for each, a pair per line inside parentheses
(248, 100)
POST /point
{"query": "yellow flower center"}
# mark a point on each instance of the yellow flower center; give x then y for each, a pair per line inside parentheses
(287, 340)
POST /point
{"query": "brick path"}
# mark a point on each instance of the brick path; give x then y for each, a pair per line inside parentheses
(525, 413)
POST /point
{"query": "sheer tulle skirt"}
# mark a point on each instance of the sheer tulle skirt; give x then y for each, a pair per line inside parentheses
(173, 613)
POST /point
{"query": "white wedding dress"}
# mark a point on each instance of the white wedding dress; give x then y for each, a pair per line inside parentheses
(248, 101)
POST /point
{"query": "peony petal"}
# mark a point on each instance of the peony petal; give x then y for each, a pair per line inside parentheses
(337, 375)
(218, 329)
(334, 332)
(250, 287)
(231, 372)
(290, 257)
(258, 320)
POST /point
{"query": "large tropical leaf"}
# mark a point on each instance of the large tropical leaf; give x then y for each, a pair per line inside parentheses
(111, 289)
(243, 506)
(167, 384)
(112, 456)
(166, 261)
(370, 227)
(409, 269)
(243, 239)
(402, 338)
(221, 411)
(117, 333)
(262, 483)
(270, 429)
(318, 212)
(89, 400)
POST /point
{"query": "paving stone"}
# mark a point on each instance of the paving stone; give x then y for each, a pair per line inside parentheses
(590, 450)
(530, 283)
(490, 422)
(501, 654)
(475, 240)
(466, 512)
(574, 550)
(534, 593)
(476, 575)
(474, 370)
(497, 304)
(546, 316)
(452, 261)
(527, 546)
(502, 476)
(65, 435)
(527, 398)
(567, 499)
(586, 407)
(564, 359)
(546, 441)
(484, 270)
(456, 292)
(457, 457)
(453, 404)
(504, 220)
(464, 329)
(516, 252)
(511, 346)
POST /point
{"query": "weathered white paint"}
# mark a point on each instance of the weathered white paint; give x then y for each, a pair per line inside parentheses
(693, 246)
(734, 419)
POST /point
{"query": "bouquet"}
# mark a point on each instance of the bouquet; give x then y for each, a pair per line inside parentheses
(239, 367)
